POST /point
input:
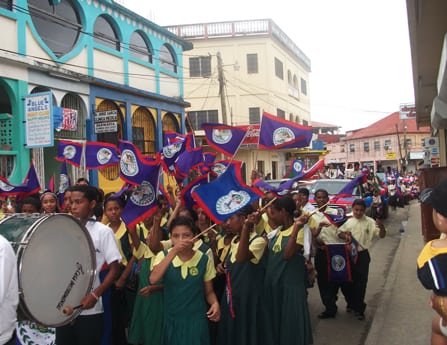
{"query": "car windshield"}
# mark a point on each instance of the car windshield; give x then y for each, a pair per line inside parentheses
(333, 187)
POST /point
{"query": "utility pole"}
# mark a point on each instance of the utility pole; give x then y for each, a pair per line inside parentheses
(222, 88)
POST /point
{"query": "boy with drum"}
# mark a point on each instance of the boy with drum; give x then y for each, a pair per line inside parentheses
(87, 328)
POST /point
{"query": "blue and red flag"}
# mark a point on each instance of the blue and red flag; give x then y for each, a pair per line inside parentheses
(171, 137)
(337, 219)
(296, 168)
(100, 155)
(354, 247)
(277, 133)
(225, 196)
(29, 186)
(219, 167)
(347, 191)
(64, 183)
(187, 161)
(51, 184)
(339, 267)
(142, 201)
(134, 169)
(169, 154)
(70, 151)
(185, 194)
(223, 138)
(208, 161)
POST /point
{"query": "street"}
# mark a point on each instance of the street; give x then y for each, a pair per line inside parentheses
(345, 328)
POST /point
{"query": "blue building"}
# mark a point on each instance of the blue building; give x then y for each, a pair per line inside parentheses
(117, 74)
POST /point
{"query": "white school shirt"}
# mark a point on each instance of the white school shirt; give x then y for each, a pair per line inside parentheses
(106, 250)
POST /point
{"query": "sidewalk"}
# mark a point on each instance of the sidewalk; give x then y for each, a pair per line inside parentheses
(403, 314)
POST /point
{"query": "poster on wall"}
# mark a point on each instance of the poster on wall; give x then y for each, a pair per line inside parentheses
(38, 120)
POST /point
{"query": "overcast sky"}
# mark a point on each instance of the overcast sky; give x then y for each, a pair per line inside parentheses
(359, 49)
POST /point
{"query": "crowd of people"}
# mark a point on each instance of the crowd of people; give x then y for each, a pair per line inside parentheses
(177, 278)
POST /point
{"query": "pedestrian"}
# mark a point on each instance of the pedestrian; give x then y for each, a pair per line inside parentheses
(50, 203)
(432, 261)
(324, 232)
(31, 205)
(146, 325)
(187, 276)
(9, 293)
(87, 328)
(244, 270)
(362, 229)
(285, 313)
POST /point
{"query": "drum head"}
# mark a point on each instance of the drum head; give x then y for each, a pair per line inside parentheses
(56, 269)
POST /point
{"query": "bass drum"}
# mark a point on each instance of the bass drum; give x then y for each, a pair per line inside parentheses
(56, 265)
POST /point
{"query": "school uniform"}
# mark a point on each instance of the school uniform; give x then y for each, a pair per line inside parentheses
(363, 230)
(285, 313)
(185, 306)
(87, 328)
(240, 306)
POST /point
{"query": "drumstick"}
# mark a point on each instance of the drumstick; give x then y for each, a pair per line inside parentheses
(68, 310)
(204, 231)
(318, 209)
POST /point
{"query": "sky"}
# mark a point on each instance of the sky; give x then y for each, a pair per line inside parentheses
(359, 49)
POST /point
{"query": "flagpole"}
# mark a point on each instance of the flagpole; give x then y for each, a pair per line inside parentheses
(204, 231)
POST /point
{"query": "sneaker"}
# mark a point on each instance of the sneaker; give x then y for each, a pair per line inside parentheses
(360, 316)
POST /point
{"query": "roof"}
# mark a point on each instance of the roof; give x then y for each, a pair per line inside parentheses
(387, 126)
(330, 138)
(317, 124)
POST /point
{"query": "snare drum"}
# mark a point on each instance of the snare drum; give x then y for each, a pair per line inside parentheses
(56, 265)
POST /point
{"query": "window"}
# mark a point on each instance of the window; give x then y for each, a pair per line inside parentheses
(387, 145)
(366, 146)
(139, 48)
(167, 60)
(289, 78)
(105, 34)
(254, 115)
(376, 145)
(351, 147)
(408, 143)
(279, 72)
(305, 123)
(303, 86)
(281, 113)
(199, 117)
(8, 5)
(252, 63)
(200, 66)
(58, 26)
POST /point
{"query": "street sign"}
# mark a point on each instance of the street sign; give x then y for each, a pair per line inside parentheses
(106, 121)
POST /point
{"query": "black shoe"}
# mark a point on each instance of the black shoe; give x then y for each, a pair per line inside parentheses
(360, 316)
(349, 309)
(326, 315)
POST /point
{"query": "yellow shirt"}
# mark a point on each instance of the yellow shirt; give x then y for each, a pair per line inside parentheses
(283, 233)
(328, 234)
(186, 267)
(122, 231)
(263, 225)
(256, 247)
(363, 230)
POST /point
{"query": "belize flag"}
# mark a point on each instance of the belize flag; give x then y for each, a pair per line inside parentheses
(64, 183)
(208, 161)
(29, 186)
(187, 161)
(185, 194)
(142, 201)
(277, 133)
(69, 151)
(100, 155)
(339, 267)
(219, 167)
(223, 138)
(226, 195)
(134, 169)
(296, 168)
(169, 154)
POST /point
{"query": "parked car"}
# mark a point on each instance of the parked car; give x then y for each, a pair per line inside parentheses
(333, 187)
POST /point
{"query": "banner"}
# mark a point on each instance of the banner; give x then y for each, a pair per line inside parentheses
(339, 267)
(100, 155)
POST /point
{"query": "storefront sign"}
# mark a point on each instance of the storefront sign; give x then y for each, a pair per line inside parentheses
(407, 111)
(39, 120)
(106, 121)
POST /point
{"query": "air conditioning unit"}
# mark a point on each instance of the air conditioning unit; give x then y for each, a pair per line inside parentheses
(386, 147)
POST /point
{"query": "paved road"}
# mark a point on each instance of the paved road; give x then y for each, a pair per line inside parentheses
(345, 329)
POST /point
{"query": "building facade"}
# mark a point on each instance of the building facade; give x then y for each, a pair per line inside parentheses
(93, 58)
(238, 70)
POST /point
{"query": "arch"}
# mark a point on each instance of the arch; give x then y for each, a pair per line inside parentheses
(144, 131)
(140, 47)
(167, 58)
(105, 32)
(39, 89)
(7, 162)
(58, 26)
(112, 172)
(75, 102)
(169, 123)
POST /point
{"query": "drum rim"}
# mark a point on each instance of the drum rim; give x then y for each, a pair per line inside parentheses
(22, 250)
